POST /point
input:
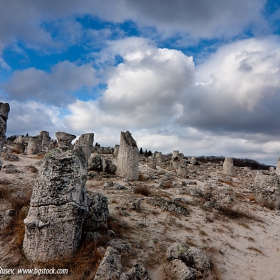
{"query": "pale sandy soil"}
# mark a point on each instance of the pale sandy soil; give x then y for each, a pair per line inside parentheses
(243, 249)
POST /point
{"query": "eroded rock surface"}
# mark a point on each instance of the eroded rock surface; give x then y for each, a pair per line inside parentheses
(128, 157)
(228, 166)
(85, 144)
(4, 112)
(53, 226)
(64, 140)
(266, 189)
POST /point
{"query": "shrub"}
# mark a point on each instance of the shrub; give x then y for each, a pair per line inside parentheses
(142, 190)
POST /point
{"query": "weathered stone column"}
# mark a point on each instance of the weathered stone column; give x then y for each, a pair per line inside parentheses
(278, 166)
(4, 112)
(228, 166)
(128, 157)
(116, 150)
(45, 140)
(53, 226)
(85, 143)
(34, 145)
(64, 140)
(158, 158)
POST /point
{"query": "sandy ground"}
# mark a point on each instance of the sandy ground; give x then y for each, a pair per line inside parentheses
(241, 248)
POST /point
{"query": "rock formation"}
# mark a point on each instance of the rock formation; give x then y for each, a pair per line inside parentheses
(34, 145)
(64, 140)
(193, 160)
(45, 140)
(182, 171)
(187, 262)
(58, 205)
(266, 189)
(128, 157)
(20, 143)
(85, 144)
(4, 112)
(158, 158)
(116, 150)
(228, 166)
(278, 166)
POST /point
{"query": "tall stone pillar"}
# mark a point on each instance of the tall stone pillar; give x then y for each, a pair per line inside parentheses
(53, 226)
(4, 112)
(278, 166)
(128, 157)
(85, 143)
(228, 166)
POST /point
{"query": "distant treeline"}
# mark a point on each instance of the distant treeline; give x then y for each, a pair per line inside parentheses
(240, 162)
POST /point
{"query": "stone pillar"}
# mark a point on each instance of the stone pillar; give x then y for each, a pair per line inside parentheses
(175, 154)
(34, 145)
(182, 171)
(193, 160)
(128, 157)
(85, 143)
(228, 166)
(158, 158)
(64, 140)
(45, 140)
(278, 166)
(53, 226)
(4, 112)
(116, 150)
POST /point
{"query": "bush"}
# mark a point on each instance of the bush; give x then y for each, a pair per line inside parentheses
(142, 190)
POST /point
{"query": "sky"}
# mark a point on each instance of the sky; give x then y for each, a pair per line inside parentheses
(201, 77)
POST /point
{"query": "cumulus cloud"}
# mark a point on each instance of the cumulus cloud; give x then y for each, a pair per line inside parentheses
(53, 87)
(32, 117)
(243, 90)
(143, 91)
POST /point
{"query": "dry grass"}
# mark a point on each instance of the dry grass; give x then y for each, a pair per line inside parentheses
(143, 190)
(5, 192)
(255, 249)
(40, 155)
(239, 213)
(32, 169)
(18, 202)
(16, 151)
(228, 182)
(267, 204)
(83, 265)
(215, 272)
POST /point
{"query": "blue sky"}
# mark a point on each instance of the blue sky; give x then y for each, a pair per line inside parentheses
(198, 76)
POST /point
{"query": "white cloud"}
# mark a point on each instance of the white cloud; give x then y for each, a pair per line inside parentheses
(32, 117)
(240, 89)
(53, 87)
(142, 92)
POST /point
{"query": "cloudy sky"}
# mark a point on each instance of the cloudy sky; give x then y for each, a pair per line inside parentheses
(199, 76)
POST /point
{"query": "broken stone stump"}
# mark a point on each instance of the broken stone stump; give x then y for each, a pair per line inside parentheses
(64, 140)
(53, 226)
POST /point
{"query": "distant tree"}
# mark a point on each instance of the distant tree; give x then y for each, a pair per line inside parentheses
(150, 153)
(26, 135)
(97, 145)
(146, 153)
(141, 151)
